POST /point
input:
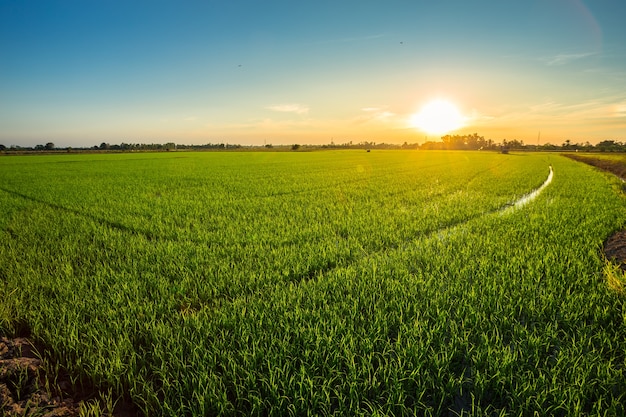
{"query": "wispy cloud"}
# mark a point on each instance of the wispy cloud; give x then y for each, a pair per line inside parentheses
(562, 59)
(590, 109)
(374, 114)
(290, 108)
(612, 74)
(620, 110)
(609, 110)
(477, 117)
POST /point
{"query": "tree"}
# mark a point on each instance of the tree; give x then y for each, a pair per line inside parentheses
(515, 144)
(453, 141)
(473, 141)
(49, 146)
(609, 146)
(432, 145)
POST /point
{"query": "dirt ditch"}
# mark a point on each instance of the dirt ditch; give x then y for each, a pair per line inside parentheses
(613, 166)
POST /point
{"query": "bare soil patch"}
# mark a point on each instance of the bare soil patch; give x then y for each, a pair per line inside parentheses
(22, 383)
(615, 248)
(26, 390)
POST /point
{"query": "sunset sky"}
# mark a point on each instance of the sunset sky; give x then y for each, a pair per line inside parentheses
(78, 73)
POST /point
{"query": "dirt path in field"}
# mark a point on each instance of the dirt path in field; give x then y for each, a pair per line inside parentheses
(26, 390)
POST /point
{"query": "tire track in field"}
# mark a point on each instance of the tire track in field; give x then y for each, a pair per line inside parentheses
(527, 198)
(109, 223)
(328, 266)
(314, 271)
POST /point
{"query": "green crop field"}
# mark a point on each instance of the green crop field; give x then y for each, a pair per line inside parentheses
(319, 283)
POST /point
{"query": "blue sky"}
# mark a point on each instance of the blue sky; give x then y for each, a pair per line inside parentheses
(79, 73)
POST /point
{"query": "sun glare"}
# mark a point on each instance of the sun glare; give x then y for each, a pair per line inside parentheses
(438, 117)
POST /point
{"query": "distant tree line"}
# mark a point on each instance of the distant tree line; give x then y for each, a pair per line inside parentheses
(123, 147)
(476, 142)
(469, 142)
(47, 147)
(136, 147)
(448, 142)
(367, 145)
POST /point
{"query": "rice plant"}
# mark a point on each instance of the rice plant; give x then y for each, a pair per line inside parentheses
(325, 283)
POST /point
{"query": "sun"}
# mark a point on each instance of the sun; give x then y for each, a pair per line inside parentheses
(438, 117)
